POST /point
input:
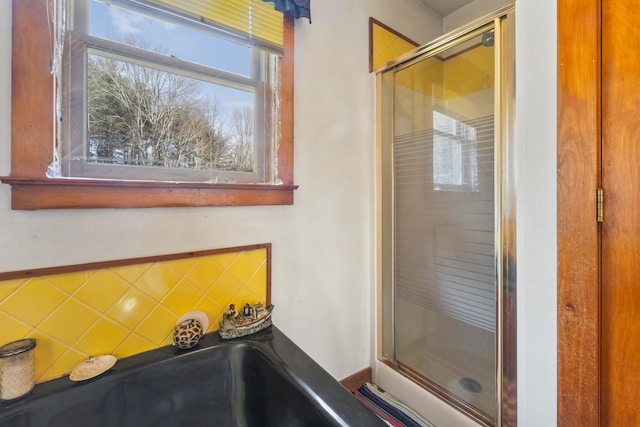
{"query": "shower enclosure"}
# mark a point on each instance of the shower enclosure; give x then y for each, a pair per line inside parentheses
(447, 250)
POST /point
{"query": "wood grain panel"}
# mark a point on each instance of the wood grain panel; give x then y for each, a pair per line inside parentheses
(620, 340)
(31, 91)
(285, 150)
(69, 194)
(357, 380)
(46, 271)
(578, 235)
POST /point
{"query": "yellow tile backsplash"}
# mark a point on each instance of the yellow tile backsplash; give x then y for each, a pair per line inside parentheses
(387, 44)
(124, 310)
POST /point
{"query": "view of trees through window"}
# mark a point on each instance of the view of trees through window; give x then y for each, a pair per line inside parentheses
(164, 97)
(143, 116)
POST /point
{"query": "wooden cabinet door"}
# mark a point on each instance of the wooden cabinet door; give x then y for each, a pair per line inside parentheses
(620, 267)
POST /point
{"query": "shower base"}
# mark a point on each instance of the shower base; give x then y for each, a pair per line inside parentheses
(466, 375)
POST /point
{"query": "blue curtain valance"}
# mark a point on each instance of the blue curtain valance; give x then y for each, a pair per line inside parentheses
(300, 8)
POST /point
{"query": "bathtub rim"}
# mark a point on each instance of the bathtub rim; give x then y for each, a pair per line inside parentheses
(291, 361)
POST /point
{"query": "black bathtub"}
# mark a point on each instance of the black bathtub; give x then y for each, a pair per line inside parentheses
(263, 380)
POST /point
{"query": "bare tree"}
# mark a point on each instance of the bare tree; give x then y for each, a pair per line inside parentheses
(242, 134)
(143, 116)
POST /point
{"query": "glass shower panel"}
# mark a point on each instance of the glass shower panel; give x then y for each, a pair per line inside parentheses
(444, 190)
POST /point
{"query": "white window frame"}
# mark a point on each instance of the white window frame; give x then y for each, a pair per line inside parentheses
(73, 137)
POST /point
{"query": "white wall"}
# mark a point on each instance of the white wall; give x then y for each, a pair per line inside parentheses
(536, 229)
(468, 13)
(334, 163)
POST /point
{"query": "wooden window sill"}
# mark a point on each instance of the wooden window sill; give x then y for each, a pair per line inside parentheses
(60, 193)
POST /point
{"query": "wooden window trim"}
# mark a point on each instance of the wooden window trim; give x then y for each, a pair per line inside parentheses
(99, 265)
(32, 133)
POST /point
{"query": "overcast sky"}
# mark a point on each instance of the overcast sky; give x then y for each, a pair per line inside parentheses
(114, 23)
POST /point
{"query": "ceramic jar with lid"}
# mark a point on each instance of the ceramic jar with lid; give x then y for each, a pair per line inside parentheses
(17, 373)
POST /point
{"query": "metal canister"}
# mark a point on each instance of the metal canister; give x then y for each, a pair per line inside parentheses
(17, 372)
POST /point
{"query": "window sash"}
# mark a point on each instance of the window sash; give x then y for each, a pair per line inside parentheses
(147, 58)
(73, 143)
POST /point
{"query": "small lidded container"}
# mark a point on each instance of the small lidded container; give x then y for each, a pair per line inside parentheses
(17, 373)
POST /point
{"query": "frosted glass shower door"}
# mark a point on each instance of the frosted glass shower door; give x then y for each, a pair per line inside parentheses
(444, 211)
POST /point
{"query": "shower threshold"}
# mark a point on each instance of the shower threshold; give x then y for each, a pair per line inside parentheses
(461, 373)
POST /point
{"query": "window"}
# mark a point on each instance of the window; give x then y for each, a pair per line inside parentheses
(144, 121)
(455, 154)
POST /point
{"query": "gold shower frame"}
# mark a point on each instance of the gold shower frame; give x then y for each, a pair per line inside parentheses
(503, 23)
